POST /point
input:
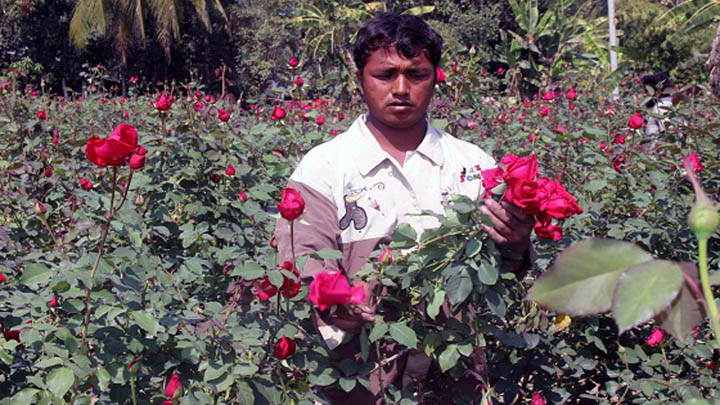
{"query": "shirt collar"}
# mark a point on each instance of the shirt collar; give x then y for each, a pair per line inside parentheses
(368, 153)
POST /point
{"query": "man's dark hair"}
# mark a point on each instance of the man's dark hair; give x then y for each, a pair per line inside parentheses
(409, 34)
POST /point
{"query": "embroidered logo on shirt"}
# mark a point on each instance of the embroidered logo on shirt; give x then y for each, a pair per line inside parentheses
(472, 174)
(353, 213)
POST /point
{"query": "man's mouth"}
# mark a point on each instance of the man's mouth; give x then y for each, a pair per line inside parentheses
(400, 104)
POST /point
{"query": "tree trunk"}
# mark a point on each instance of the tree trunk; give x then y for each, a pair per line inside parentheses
(713, 63)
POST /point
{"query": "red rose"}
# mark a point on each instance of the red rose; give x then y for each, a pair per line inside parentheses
(328, 289)
(41, 115)
(560, 128)
(524, 194)
(636, 121)
(544, 111)
(548, 96)
(341, 116)
(264, 289)
(223, 115)
(48, 171)
(293, 62)
(198, 106)
(290, 287)
(552, 232)
(242, 196)
(537, 399)
(54, 301)
(385, 256)
(555, 201)
(210, 99)
(656, 337)
(173, 385)
(2, 278)
(230, 170)
(56, 137)
(163, 103)
(491, 178)
(320, 120)
(115, 149)
(137, 161)
(571, 95)
(519, 168)
(440, 74)
(334, 132)
(500, 71)
(284, 347)
(619, 139)
(85, 184)
(299, 81)
(695, 162)
(11, 334)
(291, 205)
(278, 114)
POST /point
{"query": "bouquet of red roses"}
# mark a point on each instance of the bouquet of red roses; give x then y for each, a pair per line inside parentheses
(538, 196)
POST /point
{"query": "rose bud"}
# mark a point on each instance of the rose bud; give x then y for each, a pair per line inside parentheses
(385, 257)
(39, 208)
(284, 347)
(291, 205)
(230, 170)
(320, 120)
(48, 171)
(137, 161)
(293, 62)
(223, 115)
(85, 184)
(54, 301)
(299, 81)
(242, 196)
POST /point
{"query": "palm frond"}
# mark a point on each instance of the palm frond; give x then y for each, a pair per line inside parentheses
(89, 18)
(201, 9)
(166, 13)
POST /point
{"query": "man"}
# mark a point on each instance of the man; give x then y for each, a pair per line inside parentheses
(387, 167)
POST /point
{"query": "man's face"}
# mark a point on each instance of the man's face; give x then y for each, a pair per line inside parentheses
(397, 90)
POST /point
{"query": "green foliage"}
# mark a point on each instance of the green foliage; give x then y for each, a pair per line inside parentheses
(649, 41)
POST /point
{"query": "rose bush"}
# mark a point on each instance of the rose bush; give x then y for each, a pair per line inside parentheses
(176, 297)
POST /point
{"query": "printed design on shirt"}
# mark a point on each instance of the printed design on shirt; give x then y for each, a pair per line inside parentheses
(470, 175)
(354, 214)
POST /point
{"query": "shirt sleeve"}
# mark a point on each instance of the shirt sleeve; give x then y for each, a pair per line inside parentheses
(316, 229)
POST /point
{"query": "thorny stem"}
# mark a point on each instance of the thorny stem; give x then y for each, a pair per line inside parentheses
(707, 292)
(125, 193)
(106, 229)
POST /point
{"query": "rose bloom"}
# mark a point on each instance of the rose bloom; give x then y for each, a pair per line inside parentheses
(332, 288)
(198, 106)
(291, 204)
(656, 337)
(278, 113)
(695, 162)
(320, 120)
(41, 115)
(115, 150)
(264, 289)
(85, 184)
(537, 399)
(293, 62)
(283, 348)
(544, 111)
(299, 81)
(619, 139)
(223, 115)
(636, 121)
(571, 95)
(163, 103)
(440, 74)
(519, 168)
(2, 278)
(230, 170)
(548, 96)
(560, 128)
(500, 71)
(173, 385)
(290, 287)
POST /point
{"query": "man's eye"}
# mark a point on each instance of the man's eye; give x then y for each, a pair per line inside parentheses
(384, 76)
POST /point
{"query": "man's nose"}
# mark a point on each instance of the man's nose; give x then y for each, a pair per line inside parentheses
(400, 85)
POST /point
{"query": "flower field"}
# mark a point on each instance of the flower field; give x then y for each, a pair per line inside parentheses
(138, 264)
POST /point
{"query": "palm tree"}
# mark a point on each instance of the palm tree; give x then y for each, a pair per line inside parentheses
(123, 21)
(693, 15)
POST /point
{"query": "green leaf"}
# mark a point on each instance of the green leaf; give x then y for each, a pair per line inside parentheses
(459, 286)
(473, 247)
(433, 308)
(403, 334)
(327, 253)
(60, 380)
(685, 312)
(448, 358)
(580, 280)
(404, 237)
(379, 330)
(36, 273)
(487, 274)
(644, 290)
(147, 322)
(26, 396)
(347, 384)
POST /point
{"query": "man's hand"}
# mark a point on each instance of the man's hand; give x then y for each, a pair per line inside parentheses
(512, 226)
(351, 317)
